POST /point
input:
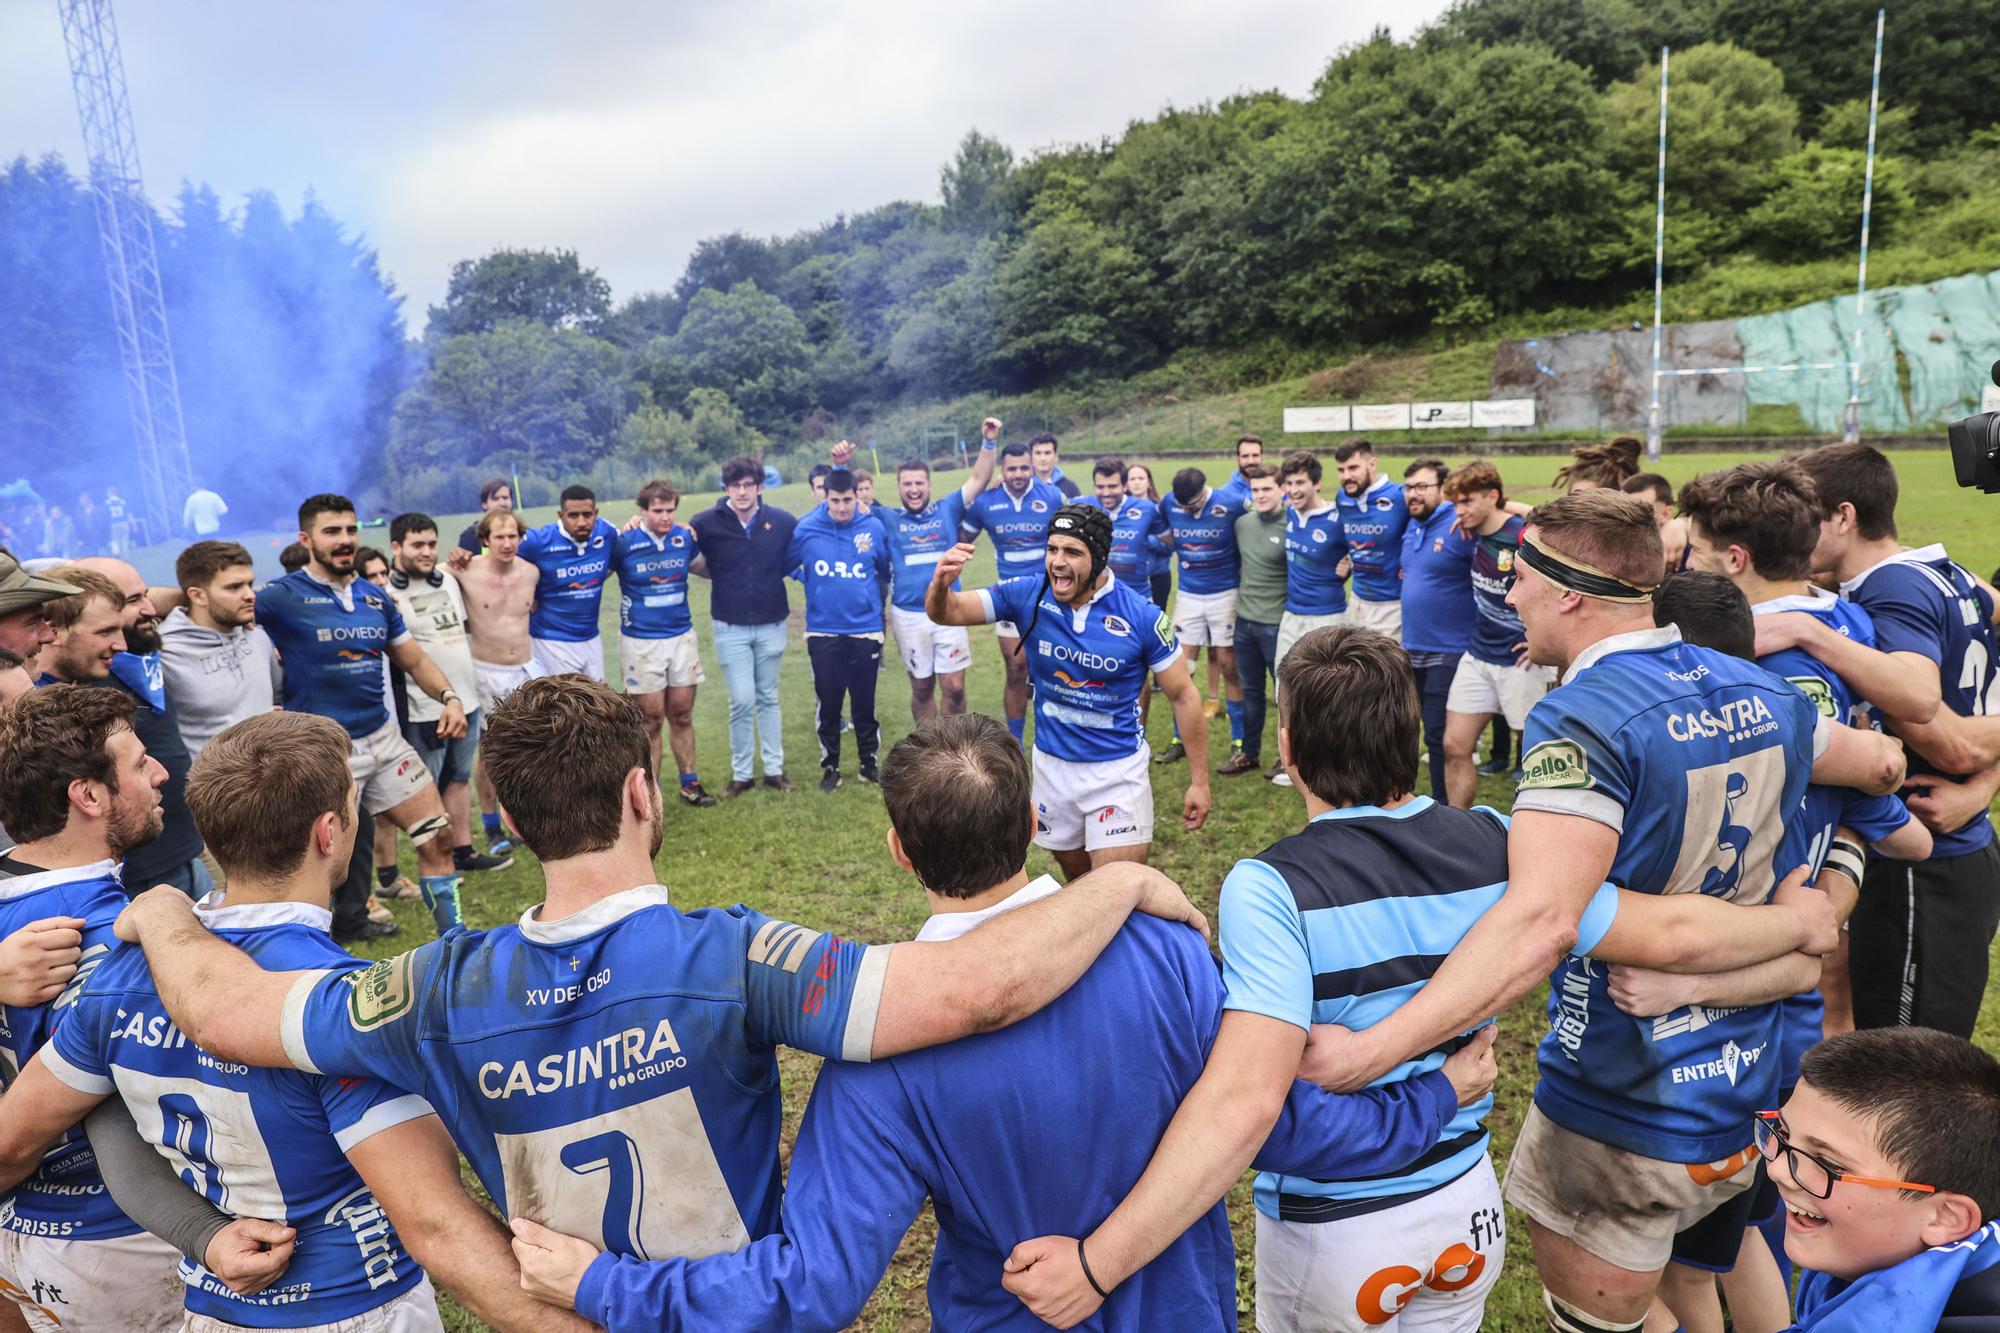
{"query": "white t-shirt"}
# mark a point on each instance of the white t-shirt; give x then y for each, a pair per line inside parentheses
(436, 620)
(203, 512)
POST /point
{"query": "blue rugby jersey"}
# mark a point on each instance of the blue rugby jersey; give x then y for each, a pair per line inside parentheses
(65, 1199)
(613, 1074)
(1007, 1156)
(1923, 603)
(1700, 762)
(653, 582)
(269, 1143)
(1436, 568)
(1019, 528)
(333, 642)
(845, 570)
(1205, 543)
(1343, 922)
(1496, 630)
(1313, 546)
(916, 542)
(1086, 666)
(1134, 523)
(1374, 523)
(572, 580)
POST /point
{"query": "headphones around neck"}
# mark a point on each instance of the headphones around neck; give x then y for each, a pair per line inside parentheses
(398, 579)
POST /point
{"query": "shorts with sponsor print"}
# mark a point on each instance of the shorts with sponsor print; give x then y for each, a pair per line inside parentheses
(1108, 803)
(1383, 617)
(652, 665)
(497, 682)
(1482, 687)
(415, 1311)
(123, 1284)
(559, 657)
(928, 648)
(1621, 1207)
(387, 769)
(1205, 620)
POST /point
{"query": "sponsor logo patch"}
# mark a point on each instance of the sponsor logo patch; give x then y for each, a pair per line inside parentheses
(379, 994)
(1817, 690)
(1559, 763)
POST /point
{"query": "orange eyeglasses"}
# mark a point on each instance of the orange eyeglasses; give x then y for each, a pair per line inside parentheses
(1813, 1175)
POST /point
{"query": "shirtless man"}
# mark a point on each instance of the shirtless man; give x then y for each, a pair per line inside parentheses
(499, 593)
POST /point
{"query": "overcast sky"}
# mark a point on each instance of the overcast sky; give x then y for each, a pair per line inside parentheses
(628, 130)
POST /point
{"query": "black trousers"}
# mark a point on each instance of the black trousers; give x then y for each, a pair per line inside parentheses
(350, 898)
(1917, 943)
(1433, 688)
(845, 669)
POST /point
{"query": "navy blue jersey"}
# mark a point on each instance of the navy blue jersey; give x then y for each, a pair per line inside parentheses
(1923, 603)
(1134, 524)
(845, 570)
(1086, 666)
(653, 582)
(333, 642)
(613, 1074)
(917, 540)
(1205, 543)
(1235, 492)
(1496, 631)
(1437, 584)
(1374, 523)
(1700, 762)
(573, 573)
(65, 1199)
(269, 1143)
(1019, 527)
(1314, 545)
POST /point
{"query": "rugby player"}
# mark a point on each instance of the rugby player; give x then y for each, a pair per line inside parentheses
(1373, 515)
(841, 556)
(1260, 605)
(608, 1064)
(1044, 452)
(1438, 612)
(499, 593)
(1496, 675)
(657, 653)
(1665, 768)
(1315, 547)
(1659, 492)
(24, 610)
(1138, 531)
(327, 1157)
(1015, 515)
(334, 630)
(920, 529)
(573, 556)
(1094, 640)
(219, 666)
(1204, 541)
(494, 494)
(1918, 946)
(1005, 1153)
(1249, 454)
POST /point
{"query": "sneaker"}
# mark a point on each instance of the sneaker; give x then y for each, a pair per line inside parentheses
(377, 912)
(829, 780)
(692, 793)
(1283, 779)
(870, 776)
(499, 846)
(1496, 766)
(846, 724)
(1173, 754)
(1210, 707)
(736, 787)
(1239, 762)
(401, 887)
(368, 930)
(481, 861)
(779, 782)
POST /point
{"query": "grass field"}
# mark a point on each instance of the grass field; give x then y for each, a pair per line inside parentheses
(819, 859)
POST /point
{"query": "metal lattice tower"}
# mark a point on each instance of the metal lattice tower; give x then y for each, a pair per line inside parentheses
(131, 264)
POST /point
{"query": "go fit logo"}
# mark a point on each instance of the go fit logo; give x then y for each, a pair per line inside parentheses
(1386, 1291)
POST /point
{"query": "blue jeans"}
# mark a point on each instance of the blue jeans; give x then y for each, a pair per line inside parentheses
(1433, 688)
(749, 656)
(1256, 658)
(450, 761)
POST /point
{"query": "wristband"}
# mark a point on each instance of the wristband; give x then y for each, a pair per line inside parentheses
(1847, 858)
(1089, 1276)
(987, 444)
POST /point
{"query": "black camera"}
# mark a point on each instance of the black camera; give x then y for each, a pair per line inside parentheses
(1975, 447)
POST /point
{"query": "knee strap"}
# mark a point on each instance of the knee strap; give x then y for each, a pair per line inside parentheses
(1566, 1318)
(427, 828)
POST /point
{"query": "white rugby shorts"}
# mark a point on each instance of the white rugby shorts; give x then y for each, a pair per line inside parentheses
(1108, 803)
(558, 657)
(1205, 619)
(1383, 617)
(1482, 687)
(928, 648)
(496, 682)
(126, 1284)
(651, 665)
(386, 769)
(1423, 1265)
(415, 1311)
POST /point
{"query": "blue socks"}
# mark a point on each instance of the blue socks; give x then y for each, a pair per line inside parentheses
(441, 897)
(1234, 707)
(689, 779)
(1015, 726)
(491, 821)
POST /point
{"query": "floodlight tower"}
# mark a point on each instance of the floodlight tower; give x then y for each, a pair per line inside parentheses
(131, 264)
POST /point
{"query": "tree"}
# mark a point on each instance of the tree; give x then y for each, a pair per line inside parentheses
(974, 185)
(1071, 299)
(1814, 206)
(1600, 35)
(661, 440)
(547, 287)
(750, 345)
(1845, 125)
(719, 427)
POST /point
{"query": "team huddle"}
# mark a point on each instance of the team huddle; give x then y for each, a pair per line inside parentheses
(1750, 852)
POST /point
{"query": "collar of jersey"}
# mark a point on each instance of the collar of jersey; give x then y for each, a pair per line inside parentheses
(1416, 805)
(1921, 556)
(1816, 600)
(1381, 480)
(1077, 613)
(1308, 515)
(1631, 641)
(604, 912)
(345, 596)
(659, 542)
(950, 925)
(1207, 494)
(13, 886)
(251, 916)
